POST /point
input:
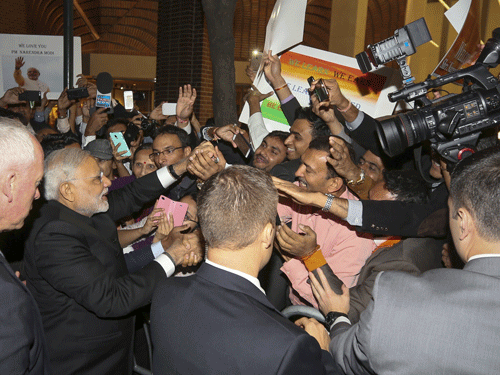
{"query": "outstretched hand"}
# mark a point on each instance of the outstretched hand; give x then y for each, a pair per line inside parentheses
(254, 94)
(185, 102)
(272, 69)
(98, 119)
(299, 194)
(11, 96)
(327, 299)
(19, 62)
(179, 245)
(205, 161)
(157, 113)
(227, 133)
(341, 161)
(296, 244)
(316, 330)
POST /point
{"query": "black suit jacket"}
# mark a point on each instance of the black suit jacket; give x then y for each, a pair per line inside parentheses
(396, 218)
(76, 271)
(216, 322)
(23, 349)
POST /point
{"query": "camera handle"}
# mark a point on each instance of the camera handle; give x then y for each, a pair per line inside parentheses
(408, 79)
(476, 73)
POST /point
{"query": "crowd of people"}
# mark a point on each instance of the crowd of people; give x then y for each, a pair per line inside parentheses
(317, 217)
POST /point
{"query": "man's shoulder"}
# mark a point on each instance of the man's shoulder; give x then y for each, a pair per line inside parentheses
(239, 302)
(286, 170)
(433, 284)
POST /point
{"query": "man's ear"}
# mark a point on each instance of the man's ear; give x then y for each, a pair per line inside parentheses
(335, 184)
(268, 235)
(465, 222)
(8, 184)
(66, 190)
(187, 151)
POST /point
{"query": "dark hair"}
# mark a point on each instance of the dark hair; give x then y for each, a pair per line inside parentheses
(406, 185)
(235, 205)
(144, 146)
(278, 134)
(53, 142)
(475, 186)
(171, 129)
(13, 115)
(322, 143)
(104, 131)
(318, 126)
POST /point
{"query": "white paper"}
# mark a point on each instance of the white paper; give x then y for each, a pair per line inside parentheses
(286, 25)
(457, 14)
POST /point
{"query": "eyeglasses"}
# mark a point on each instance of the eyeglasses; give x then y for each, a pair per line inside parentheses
(98, 179)
(166, 152)
(188, 217)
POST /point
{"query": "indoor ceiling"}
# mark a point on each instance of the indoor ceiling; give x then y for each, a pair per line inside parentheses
(130, 26)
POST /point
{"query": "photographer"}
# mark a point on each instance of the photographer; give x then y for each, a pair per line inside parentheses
(383, 217)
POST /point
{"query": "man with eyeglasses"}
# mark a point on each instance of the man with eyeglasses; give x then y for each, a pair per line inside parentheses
(171, 145)
(75, 266)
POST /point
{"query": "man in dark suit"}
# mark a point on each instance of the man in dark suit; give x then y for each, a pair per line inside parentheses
(76, 269)
(445, 321)
(23, 349)
(219, 320)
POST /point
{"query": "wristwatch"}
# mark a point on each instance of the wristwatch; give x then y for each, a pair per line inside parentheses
(332, 316)
(360, 181)
(329, 201)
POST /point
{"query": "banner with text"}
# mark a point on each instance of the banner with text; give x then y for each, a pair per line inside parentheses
(368, 92)
(38, 59)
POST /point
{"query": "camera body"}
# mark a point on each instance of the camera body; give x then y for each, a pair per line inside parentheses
(148, 127)
(452, 124)
(31, 96)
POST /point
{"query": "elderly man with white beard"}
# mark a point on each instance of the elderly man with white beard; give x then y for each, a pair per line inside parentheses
(76, 270)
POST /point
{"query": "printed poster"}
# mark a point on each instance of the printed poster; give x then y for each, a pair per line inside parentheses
(368, 92)
(41, 58)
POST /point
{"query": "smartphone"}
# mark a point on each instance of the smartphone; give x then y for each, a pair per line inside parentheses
(130, 134)
(178, 209)
(117, 137)
(128, 98)
(31, 96)
(77, 93)
(320, 89)
(139, 95)
(168, 109)
(256, 60)
(242, 144)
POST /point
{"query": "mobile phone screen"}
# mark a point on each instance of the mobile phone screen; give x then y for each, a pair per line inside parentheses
(128, 98)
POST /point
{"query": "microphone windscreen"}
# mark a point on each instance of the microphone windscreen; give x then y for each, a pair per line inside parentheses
(104, 83)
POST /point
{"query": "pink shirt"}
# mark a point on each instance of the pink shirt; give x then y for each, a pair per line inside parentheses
(344, 249)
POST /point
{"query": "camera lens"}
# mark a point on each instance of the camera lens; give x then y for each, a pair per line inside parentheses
(399, 132)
